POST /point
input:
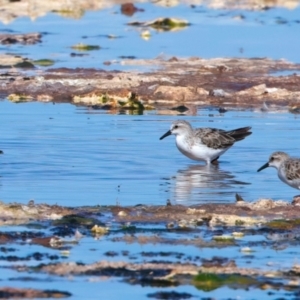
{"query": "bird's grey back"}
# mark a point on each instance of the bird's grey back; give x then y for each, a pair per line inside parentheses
(214, 138)
(292, 168)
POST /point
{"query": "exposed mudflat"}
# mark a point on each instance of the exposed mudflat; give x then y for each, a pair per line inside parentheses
(241, 213)
(204, 227)
(176, 82)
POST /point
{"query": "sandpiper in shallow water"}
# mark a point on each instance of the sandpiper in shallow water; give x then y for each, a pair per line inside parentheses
(288, 168)
(204, 144)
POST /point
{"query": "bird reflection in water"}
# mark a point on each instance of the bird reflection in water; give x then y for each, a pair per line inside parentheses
(205, 183)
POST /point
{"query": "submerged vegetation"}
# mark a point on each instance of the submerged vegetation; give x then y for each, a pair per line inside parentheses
(284, 224)
(44, 62)
(85, 47)
(210, 281)
(163, 24)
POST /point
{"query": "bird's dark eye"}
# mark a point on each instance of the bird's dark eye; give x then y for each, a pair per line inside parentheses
(272, 158)
(176, 126)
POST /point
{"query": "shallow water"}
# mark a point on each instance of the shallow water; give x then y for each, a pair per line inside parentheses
(76, 156)
(90, 250)
(213, 33)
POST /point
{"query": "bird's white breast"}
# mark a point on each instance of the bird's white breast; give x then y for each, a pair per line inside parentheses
(197, 151)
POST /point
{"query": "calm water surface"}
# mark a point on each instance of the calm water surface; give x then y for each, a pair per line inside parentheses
(213, 33)
(76, 156)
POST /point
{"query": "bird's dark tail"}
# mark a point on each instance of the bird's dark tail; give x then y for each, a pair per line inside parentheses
(239, 133)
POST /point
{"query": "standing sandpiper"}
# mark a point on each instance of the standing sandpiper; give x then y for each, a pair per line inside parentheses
(288, 170)
(204, 144)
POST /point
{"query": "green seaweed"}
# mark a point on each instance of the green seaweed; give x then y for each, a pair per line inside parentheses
(230, 240)
(168, 23)
(84, 47)
(239, 223)
(283, 224)
(164, 24)
(44, 62)
(210, 281)
(105, 98)
(133, 105)
(69, 13)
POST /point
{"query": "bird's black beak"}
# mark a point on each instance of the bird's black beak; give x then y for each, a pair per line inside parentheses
(263, 167)
(166, 134)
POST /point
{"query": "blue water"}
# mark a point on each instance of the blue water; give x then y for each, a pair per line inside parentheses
(76, 156)
(213, 33)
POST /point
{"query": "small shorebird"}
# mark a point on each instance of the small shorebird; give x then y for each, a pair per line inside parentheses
(288, 168)
(204, 144)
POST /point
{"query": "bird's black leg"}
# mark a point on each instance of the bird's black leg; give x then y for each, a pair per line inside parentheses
(215, 161)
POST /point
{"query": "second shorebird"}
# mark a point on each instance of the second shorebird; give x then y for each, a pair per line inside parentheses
(288, 168)
(204, 144)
